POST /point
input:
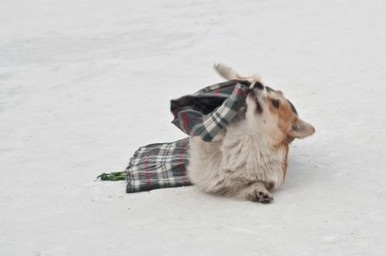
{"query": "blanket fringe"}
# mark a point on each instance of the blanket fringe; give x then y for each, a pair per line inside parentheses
(112, 176)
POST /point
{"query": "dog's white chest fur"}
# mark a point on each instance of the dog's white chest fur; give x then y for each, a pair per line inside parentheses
(249, 159)
(234, 160)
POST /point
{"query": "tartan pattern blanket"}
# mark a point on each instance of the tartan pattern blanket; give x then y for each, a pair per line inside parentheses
(159, 165)
(204, 113)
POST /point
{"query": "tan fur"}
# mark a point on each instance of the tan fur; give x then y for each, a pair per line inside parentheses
(229, 74)
(249, 158)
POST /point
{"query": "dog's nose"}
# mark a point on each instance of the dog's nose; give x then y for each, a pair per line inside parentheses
(258, 85)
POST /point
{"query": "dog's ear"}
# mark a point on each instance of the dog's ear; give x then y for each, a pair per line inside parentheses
(229, 74)
(226, 72)
(301, 129)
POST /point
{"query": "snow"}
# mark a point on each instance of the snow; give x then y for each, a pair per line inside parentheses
(84, 83)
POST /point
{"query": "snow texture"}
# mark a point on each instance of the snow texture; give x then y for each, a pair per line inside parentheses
(84, 83)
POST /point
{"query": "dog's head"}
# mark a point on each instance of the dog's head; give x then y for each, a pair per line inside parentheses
(270, 113)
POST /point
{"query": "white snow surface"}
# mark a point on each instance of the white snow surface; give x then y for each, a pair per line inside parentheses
(84, 83)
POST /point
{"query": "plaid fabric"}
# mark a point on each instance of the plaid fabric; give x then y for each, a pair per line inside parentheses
(209, 110)
(158, 165)
(202, 114)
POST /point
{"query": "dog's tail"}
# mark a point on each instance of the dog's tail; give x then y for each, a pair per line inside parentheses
(229, 74)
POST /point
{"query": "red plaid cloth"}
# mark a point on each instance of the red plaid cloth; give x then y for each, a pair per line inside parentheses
(209, 110)
(203, 114)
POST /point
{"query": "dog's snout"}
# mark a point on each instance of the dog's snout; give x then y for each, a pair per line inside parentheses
(258, 85)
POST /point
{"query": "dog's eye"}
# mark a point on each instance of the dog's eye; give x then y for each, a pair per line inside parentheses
(276, 103)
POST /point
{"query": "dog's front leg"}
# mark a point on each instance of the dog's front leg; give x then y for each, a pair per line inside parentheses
(256, 192)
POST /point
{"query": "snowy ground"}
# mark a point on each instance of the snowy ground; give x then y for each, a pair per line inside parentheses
(83, 83)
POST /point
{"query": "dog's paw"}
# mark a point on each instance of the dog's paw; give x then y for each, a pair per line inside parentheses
(263, 197)
(257, 192)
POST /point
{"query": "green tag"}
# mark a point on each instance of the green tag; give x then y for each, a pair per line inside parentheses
(113, 176)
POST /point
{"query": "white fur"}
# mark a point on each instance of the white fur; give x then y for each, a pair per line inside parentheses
(243, 156)
(239, 157)
(249, 158)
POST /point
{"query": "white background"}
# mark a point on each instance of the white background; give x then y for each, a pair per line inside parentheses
(84, 83)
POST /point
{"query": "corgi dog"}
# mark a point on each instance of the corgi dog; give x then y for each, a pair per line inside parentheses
(248, 159)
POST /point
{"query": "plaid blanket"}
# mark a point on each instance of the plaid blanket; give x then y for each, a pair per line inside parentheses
(204, 113)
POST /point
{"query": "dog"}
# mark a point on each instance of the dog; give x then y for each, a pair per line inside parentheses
(248, 159)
